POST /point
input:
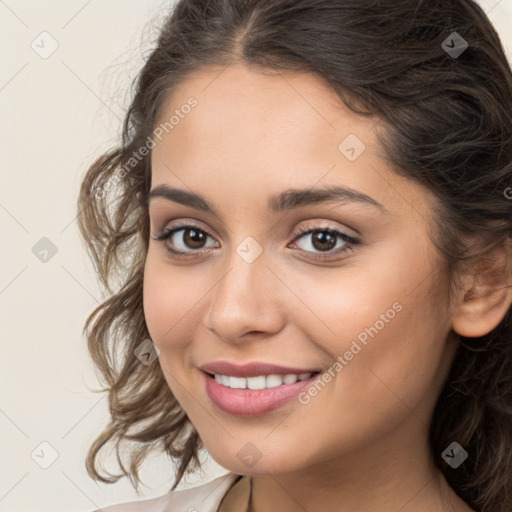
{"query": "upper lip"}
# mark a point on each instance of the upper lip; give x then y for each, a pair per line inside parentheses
(251, 369)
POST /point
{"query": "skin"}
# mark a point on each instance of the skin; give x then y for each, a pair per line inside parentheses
(361, 442)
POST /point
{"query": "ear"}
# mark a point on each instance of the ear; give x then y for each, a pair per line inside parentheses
(484, 294)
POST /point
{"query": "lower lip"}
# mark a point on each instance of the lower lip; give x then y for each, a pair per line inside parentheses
(251, 402)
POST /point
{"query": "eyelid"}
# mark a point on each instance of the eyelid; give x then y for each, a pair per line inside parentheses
(181, 224)
(332, 254)
(165, 233)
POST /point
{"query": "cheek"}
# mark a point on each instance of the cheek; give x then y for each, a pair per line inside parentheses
(339, 306)
(387, 325)
(392, 364)
(169, 299)
(168, 309)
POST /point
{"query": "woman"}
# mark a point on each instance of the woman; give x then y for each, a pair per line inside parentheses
(311, 236)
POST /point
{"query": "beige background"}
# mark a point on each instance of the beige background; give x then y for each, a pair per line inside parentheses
(57, 114)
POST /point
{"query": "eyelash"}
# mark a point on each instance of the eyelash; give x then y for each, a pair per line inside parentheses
(167, 233)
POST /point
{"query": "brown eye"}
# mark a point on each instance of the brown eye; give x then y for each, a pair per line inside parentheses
(184, 239)
(193, 238)
(323, 240)
(324, 243)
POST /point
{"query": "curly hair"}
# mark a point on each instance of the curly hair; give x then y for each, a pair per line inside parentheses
(448, 125)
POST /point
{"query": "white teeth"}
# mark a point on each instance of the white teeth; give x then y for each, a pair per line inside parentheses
(291, 378)
(256, 382)
(273, 381)
(261, 381)
(237, 382)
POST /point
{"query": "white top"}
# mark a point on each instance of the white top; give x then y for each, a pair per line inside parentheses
(202, 498)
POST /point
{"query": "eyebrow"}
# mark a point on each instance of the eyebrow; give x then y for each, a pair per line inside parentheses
(287, 200)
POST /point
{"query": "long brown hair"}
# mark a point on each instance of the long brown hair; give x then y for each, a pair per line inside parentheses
(448, 125)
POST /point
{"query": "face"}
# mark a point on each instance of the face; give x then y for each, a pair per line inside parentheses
(344, 292)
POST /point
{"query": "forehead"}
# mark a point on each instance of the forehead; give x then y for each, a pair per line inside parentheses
(246, 119)
(252, 107)
(258, 133)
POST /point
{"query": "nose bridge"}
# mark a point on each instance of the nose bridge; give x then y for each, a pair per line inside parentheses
(246, 299)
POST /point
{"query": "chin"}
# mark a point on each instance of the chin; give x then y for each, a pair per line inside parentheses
(250, 461)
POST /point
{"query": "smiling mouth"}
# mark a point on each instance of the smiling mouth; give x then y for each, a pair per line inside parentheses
(257, 394)
(260, 381)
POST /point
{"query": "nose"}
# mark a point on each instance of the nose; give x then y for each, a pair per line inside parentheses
(248, 300)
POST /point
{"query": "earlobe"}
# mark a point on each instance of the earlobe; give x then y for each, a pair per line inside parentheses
(485, 293)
